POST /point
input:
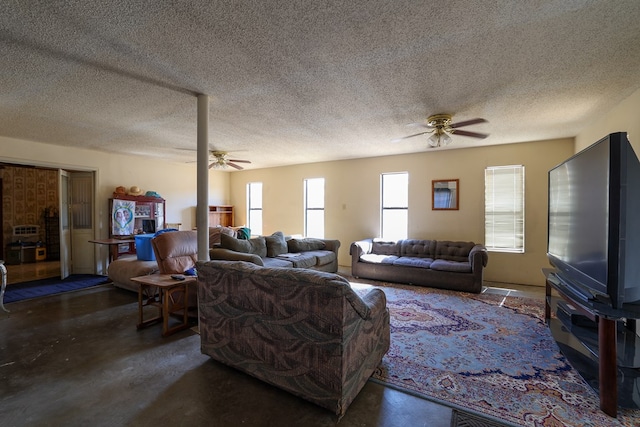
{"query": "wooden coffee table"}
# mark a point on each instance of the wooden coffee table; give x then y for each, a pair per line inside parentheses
(162, 291)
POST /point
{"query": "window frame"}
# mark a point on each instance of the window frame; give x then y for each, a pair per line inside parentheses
(511, 209)
(395, 208)
(251, 186)
(307, 209)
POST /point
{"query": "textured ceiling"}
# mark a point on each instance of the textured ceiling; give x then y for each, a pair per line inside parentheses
(305, 81)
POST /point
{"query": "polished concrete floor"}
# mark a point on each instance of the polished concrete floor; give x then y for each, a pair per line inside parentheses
(76, 359)
(18, 273)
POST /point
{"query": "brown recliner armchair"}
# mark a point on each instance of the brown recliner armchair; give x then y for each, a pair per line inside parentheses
(176, 252)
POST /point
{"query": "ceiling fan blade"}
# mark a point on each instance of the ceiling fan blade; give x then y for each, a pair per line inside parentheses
(211, 165)
(471, 134)
(410, 136)
(467, 123)
(421, 125)
(238, 161)
(233, 165)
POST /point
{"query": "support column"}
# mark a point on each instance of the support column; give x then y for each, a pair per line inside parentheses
(202, 209)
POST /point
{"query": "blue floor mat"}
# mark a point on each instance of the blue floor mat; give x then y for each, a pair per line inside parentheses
(43, 287)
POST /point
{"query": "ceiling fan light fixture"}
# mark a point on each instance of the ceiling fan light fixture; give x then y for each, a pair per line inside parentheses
(439, 139)
(218, 165)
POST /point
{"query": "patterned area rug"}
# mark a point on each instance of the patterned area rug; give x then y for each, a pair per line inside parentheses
(487, 354)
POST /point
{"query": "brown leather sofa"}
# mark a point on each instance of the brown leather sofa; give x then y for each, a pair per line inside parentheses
(301, 330)
(444, 264)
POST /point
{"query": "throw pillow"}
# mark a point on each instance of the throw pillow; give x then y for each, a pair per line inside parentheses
(237, 245)
(215, 232)
(243, 233)
(258, 246)
(306, 244)
(276, 245)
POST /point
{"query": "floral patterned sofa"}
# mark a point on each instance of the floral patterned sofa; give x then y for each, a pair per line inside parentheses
(301, 330)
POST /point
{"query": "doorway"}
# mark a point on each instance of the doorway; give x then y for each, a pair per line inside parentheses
(32, 196)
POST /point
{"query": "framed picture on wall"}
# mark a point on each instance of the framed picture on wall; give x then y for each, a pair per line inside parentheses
(445, 194)
(122, 217)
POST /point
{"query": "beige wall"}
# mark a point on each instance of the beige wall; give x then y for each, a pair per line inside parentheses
(625, 117)
(352, 191)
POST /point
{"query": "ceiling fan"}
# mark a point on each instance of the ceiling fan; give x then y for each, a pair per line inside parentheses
(441, 128)
(220, 160)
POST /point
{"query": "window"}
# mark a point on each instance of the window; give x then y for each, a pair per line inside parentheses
(314, 207)
(81, 189)
(395, 205)
(504, 208)
(254, 207)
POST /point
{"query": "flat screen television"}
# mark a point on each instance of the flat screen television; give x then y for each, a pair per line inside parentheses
(594, 222)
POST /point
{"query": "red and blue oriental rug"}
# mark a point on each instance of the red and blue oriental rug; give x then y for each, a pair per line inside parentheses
(487, 354)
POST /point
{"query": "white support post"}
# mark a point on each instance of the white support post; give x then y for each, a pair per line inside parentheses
(202, 209)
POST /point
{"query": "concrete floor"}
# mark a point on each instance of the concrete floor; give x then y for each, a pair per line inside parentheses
(76, 359)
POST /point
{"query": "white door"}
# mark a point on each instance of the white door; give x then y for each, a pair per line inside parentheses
(65, 229)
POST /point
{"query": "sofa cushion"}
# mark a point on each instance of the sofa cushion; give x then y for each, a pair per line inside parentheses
(452, 266)
(124, 268)
(378, 259)
(418, 248)
(256, 246)
(410, 261)
(276, 244)
(237, 245)
(306, 244)
(382, 247)
(323, 257)
(453, 251)
(215, 232)
(277, 262)
(304, 260)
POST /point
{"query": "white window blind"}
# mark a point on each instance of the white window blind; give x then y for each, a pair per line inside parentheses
(504, 208)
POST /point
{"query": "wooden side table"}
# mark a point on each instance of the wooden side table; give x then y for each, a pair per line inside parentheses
(160, 290)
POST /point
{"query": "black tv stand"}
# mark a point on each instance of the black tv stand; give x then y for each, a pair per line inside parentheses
(599, 342)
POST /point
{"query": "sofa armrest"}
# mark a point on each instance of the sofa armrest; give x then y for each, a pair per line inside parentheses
(361, 247)
(229, 255)
(332, 245)
(478, 257)
(369, 305)
(376, 300)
